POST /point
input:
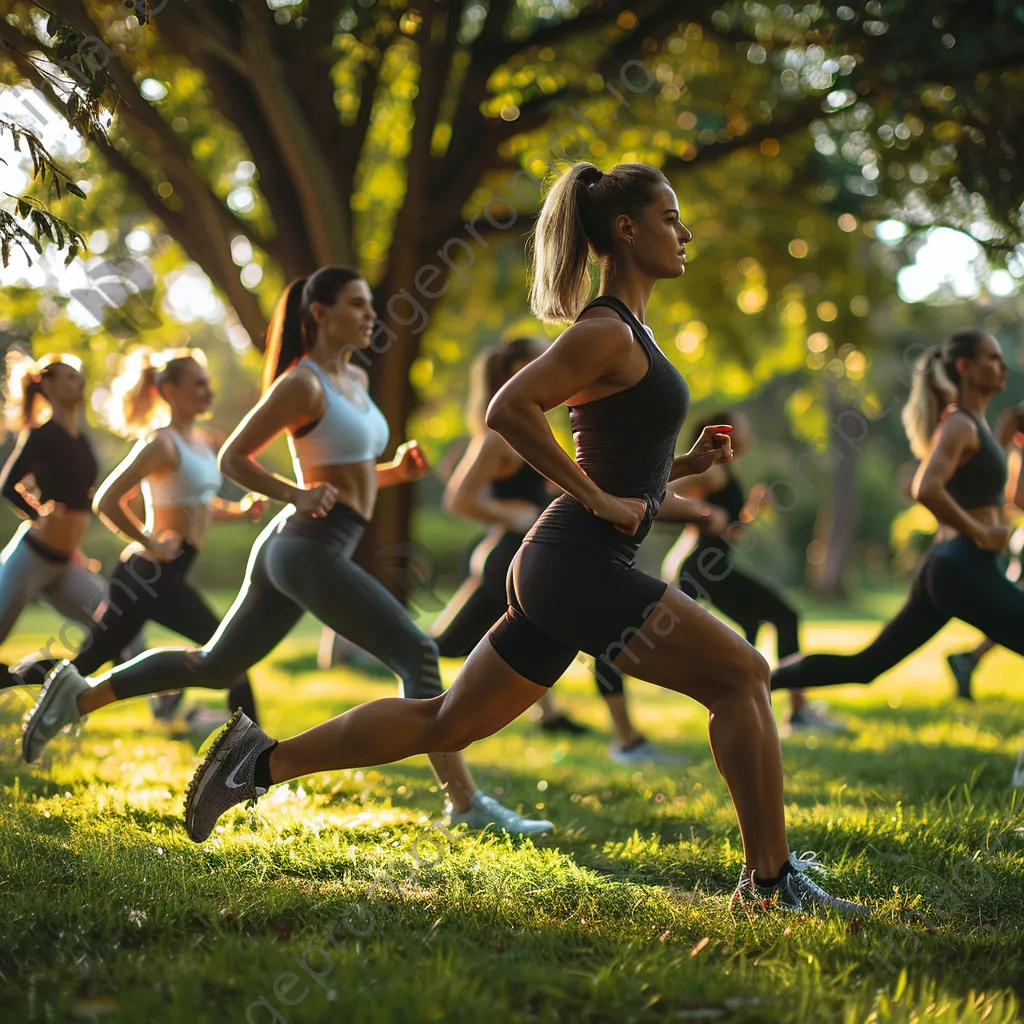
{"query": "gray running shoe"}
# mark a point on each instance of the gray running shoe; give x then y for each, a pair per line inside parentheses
(796, 891)
(485, 811)
(55, 708)
(225, 777)
(644, 752)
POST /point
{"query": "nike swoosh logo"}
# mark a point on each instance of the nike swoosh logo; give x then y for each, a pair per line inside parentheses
(230, 780)
(51, 716)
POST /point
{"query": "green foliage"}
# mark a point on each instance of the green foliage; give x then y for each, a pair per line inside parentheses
(41, 223)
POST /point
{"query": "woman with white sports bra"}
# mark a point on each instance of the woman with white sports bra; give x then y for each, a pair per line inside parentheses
(302, 561)
(158, 398)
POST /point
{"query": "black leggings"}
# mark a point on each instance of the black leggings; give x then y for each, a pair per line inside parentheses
(480, 608)
(297, 565)
(955, 580)
(746, 600)
(142, 590)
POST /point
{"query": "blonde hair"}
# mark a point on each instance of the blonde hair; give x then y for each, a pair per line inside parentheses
(25, 376)
(491, 371)
(936, 385)
(577, 221)
(137, 406)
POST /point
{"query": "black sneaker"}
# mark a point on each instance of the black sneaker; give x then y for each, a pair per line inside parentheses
(226, 776)
(563, 723)
(962, 666)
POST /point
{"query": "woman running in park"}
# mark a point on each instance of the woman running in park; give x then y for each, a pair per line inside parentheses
(493, 485)
(573, 584)
(708, 570)
(157, 399)
(44, 561)
(961, 480)
(302, 561)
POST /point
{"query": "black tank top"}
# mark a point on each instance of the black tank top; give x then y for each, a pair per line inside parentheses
(526, 484)
(64, 468)
(730, 497)
(981, 480)
(625, 443)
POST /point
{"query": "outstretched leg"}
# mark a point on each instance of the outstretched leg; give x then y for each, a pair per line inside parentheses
(914, 625)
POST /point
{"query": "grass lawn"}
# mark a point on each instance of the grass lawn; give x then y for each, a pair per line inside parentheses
(337, 898)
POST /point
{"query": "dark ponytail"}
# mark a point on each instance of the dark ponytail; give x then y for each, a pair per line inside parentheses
(292, 329)
(491, 371)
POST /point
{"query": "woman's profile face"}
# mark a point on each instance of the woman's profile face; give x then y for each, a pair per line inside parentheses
(348, 321)
(987, 371)
(659, 238)
(192, 393)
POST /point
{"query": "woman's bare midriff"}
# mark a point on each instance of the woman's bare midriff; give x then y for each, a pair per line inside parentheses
(62, 530)
(990, 515)
(356, 483)
(190, 522)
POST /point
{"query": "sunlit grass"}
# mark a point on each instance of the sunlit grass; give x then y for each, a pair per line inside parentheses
(338, 899)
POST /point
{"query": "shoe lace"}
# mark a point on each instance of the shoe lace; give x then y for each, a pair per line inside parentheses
(745, 891)
(807, 861)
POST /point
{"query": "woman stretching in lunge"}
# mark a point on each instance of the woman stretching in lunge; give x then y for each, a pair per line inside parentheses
(302, 560)
(44, 559)
(573, 584)
(493, 485)
(1008, 431)
(961, 480)
(708, 570)
(159, 398)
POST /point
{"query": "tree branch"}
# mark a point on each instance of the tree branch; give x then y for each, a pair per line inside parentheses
(325, 219)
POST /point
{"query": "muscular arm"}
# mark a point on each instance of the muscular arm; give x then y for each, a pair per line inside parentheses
(111, 501)
(588, 353)
(292, 401)
(954, 441)
(19, 466)
(468, 492)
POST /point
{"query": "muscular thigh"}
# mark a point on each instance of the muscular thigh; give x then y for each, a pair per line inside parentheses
(684, 647)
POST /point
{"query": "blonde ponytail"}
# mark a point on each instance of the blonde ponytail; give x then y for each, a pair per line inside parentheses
(577, 222)
(936, 385)
(136, 405)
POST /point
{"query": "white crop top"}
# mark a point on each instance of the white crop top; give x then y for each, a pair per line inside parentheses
(196, 481)
(345, 433)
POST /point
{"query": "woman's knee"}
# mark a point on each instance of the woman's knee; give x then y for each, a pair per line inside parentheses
(751, 674)
(208, 669)
(444, 730)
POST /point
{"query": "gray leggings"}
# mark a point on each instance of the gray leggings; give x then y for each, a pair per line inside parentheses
(297, 565)
(69, 587)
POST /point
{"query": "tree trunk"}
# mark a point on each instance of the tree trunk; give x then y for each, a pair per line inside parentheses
(838, 514)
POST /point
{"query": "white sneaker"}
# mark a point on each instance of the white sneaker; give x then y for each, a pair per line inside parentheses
(644, 752)
(55, 708)
(485, 811)
(815, 718)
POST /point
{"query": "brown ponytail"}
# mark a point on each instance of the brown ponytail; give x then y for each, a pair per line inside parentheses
(491, 371)
(577, 221)
(292, 329)
(24, 389)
